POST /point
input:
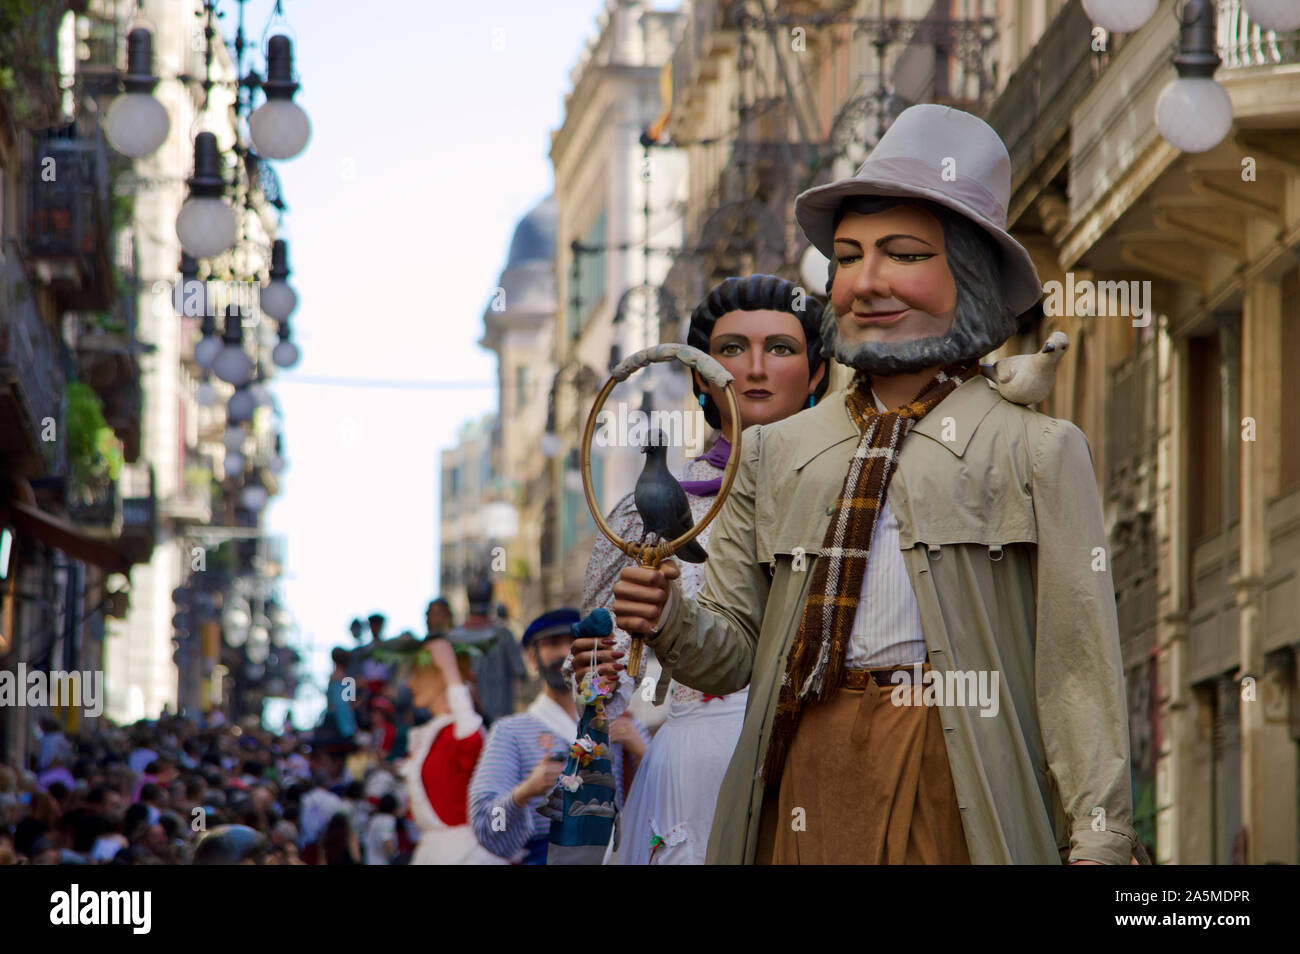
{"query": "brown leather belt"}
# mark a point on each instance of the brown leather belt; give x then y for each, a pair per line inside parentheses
(858, 678)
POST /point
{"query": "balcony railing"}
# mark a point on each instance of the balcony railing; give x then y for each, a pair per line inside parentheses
(139, 511)
(93, 502)
(1244, 44)
(67, 235)
(1040, 95)
(31, 377)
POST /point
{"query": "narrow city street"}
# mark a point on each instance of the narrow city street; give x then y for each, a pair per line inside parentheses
(651, 432)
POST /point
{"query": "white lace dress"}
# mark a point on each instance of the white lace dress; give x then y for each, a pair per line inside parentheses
(669, 810)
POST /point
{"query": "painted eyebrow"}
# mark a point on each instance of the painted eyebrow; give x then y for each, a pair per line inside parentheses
(736, 337)
(881, 241)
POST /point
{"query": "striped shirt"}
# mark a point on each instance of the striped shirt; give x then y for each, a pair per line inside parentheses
(887, 625)
(514, 746)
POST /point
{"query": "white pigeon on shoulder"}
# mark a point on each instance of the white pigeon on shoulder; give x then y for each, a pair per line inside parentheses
(1028, 378)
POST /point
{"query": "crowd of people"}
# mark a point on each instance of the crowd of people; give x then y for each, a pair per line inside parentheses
(186, 790)
(155, 792)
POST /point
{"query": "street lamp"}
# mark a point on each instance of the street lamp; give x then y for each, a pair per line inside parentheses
(137, 124)
(206, 394)
(241, 406)
(814, 270)
(190, 296)
(277, 459)
(279, 127)
(232, 365)
(205, 224)
(1280, 15)
(285, 354)
(278, 299)
(234, 438)
(1194, 113)
(254, 494)
(233, 464)
(209, 346)
(1120, 16)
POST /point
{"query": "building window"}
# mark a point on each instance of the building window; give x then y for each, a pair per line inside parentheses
(589, 269)
(521, 387)
(1204, 439)
(1289, 465)
(575, 518)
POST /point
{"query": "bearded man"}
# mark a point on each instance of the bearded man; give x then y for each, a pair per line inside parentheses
(911, 576)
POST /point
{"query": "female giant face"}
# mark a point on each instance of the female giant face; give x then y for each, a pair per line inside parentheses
(767, 355)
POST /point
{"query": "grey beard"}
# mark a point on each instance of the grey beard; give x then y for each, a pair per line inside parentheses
(908, 357)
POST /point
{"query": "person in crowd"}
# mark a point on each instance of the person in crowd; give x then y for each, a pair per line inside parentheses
(340, 694)
(381, 832)
(338, 843)
(444, 752)
(438, 615)
(231, 845)
(524, 753)
(499, 672)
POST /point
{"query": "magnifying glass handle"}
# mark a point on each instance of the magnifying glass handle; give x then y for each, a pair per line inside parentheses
(634, 653)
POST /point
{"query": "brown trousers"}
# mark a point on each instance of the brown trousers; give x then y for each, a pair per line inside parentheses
(873, 783)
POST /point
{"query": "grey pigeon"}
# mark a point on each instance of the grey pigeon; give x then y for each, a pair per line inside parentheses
(665, 511)
(1028, 378)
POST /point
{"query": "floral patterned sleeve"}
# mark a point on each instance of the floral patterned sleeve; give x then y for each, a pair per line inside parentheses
(606, 563)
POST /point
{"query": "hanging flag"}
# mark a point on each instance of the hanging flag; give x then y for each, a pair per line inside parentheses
(656, 129)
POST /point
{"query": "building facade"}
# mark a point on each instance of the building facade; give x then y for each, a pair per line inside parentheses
(618, 227)
(519, 327)
(473, 537)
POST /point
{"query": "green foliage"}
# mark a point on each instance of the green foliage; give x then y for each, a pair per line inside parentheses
(85, 418)
(14, 12)
(94, 452)
(28, 52)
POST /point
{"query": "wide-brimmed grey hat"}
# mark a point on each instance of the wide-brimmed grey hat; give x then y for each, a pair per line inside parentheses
(925, 142)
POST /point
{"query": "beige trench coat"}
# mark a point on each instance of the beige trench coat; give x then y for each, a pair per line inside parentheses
(1001, 530)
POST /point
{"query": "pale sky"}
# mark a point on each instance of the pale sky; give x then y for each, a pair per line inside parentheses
(427, 146)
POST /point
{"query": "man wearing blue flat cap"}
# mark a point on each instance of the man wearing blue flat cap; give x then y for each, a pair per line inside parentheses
(525, 752)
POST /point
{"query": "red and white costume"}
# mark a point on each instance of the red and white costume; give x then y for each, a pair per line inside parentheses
(444, 752)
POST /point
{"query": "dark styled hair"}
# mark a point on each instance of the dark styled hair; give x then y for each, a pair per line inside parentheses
(757, 293)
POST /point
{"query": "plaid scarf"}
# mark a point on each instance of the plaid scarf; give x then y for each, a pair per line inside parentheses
(814, 668)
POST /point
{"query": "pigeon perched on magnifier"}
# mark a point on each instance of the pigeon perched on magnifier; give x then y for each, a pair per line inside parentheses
(662, 503)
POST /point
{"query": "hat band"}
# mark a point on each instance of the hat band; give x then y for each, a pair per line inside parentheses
(910, 171)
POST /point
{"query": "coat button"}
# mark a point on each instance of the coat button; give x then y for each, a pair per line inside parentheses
(830, 510)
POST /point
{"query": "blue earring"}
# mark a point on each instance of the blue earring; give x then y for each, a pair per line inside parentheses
(702, 400)
(812, 400)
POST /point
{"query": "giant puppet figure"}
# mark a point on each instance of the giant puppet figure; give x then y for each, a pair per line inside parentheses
(911, 577)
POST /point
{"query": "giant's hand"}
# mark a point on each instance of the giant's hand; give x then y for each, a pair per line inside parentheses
(639, 598)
